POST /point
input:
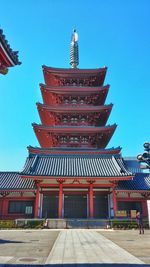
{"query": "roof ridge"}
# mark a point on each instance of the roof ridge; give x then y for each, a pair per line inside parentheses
(117, 165)
(70, 155)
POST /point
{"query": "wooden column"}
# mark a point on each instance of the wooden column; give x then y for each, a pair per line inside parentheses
(91, 201)
(114, 199)
(4, 207)
(36, 204)
(60, 202)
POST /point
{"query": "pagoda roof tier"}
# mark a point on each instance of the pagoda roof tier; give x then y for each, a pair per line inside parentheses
(74, 76)
(73, 89)
(81, 166)
(51, 94)
(8, 57)
(73, 151)
(73, 129)
(73, 108)
(50, 115)
(49, 136)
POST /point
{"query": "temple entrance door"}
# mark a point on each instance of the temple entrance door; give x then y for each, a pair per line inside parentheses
(75, 206)
(100, 206)
(50, 206)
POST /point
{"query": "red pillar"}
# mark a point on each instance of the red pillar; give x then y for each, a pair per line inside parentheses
(114, 199)
(4, 208)
(60, 204)
(36, 206)
(91, 202)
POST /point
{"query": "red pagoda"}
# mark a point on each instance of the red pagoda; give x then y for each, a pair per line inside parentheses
(72, 174)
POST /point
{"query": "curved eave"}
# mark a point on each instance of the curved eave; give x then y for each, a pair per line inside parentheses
(54, 76)
(73, 129)
(73, 89)
(5, 58)
(67, 178)
(56, 151)
(48, 114)
(16, 190)
(48, 135)
(9, 56)
(49, 91)
(73, 108)
(72, 70)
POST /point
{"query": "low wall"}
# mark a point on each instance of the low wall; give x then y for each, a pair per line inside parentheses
(64, 223)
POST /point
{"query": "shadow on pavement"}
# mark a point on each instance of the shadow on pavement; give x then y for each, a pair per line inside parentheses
(4, 241)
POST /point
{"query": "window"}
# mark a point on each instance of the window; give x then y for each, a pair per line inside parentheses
(83, 120)
(74, 120)
(66, 101)
(64, 120)
(74, 101)
(63, 139)
(84, 140)
(22, 207)
(81, 101)
(74, 139)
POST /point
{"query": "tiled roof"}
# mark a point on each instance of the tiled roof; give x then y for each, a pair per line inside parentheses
(75, 166)
(132, 164)
(13, 54)
(13, 181)
(141, 181)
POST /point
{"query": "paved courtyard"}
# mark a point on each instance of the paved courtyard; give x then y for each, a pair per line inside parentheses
(74, 247)
(130, 240)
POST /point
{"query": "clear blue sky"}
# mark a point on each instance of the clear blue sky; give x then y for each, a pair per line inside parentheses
(112, 33)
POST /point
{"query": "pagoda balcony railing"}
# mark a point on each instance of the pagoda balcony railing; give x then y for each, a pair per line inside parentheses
(76, 124)
(75, 145)
(76, 105)
(85, 105)
(71, 105)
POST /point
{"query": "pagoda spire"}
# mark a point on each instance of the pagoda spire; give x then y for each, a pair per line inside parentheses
(74, 54)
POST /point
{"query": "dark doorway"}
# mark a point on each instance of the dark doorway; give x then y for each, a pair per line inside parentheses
(100, 206)
(50, 206)
(129, 205)
(75, 206)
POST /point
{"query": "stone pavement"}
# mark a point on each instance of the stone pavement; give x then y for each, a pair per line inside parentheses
(26, 246)
(87, 246)
(70, 248)
(130, 240)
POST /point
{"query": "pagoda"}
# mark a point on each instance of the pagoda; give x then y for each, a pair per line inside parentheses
(72, 174)
(72, 168)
